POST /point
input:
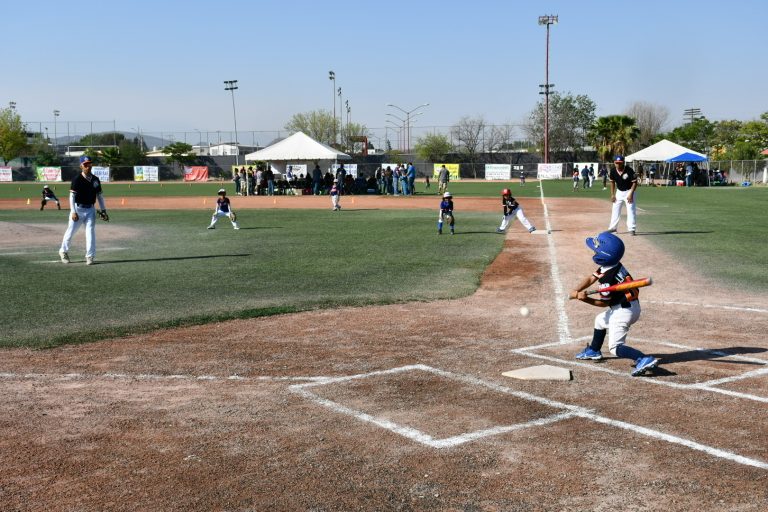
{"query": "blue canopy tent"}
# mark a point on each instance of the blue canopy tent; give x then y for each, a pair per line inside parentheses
(688, 157)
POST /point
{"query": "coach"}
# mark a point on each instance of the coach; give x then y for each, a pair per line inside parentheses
(85, 190)
(623, 186)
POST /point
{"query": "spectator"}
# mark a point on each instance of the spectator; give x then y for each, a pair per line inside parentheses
(443, 177)
(341, 174)
(585, 176)
(269, 177)
(411, 178)
(244, 179)
(372, 185)
(259, 181)
(591, 175)
(327, 181)
(317, 179)
(236, 179)
(388, 180)
(396, 180)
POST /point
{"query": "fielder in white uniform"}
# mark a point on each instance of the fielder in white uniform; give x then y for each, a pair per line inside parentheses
(622, 309)
(512, 209)
(223, 209)
(83, 194)
(623, 186)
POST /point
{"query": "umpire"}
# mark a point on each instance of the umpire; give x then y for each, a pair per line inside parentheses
(85, 190)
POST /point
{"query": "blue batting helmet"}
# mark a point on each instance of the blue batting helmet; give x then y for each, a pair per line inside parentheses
(608, 248)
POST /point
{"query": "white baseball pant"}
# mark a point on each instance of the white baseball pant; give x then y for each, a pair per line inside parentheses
(85, 216)
(621, 199)
(219, 213)
(517, 212)
(617, 320)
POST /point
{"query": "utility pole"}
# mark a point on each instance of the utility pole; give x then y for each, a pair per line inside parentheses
(546, 20)
(231, 85)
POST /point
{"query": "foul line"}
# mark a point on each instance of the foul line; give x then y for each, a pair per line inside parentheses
(709, 306)
(563, 331)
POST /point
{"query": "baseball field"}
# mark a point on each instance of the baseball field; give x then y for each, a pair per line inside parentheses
(353, 360)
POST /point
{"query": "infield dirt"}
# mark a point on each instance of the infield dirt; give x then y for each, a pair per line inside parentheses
(210, 417)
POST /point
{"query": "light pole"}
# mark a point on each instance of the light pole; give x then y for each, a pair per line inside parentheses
(231, 85)
(399, 129)
(349, 111)
(12, 105)
(332, 77)
(546, 20)
(341, 116)
(55, 133)
(408, 123)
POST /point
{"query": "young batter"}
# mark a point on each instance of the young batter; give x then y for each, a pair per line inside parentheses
(622, 308)
(446, 213)
(223, 209)
(511, 209)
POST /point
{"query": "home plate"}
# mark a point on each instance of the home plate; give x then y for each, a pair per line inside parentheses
(541, 372)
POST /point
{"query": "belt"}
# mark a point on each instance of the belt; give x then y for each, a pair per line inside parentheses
(84, 205)
(622, 305)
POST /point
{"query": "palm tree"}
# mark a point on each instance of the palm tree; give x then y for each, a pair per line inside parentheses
(613, 135)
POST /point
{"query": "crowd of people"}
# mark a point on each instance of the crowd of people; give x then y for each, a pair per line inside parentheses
(385, 181)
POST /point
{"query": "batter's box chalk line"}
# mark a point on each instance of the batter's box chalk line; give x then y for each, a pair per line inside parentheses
(566, 411)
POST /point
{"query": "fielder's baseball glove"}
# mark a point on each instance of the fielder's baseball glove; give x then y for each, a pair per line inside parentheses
(103, 215)
(448, 218)
(234, 217)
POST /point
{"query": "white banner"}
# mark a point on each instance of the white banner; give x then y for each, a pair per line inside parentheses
(102, 173)
(6, 174)
(498, 171)
(297, 170)
(145, 173)
(549, 171)
(350, 168)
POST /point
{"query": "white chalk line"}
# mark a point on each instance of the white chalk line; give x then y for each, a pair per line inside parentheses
(708, 306)
(705, 386)
(153, 377)
(571, 412)
(563, 330)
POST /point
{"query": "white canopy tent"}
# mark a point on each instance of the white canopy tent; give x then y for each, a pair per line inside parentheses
(662, 151)
(297, 148)
(666, 151)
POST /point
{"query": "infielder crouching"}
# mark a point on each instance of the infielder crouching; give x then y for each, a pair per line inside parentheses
(223, 209)
(48, 195)
(622, 307)
(512, 209)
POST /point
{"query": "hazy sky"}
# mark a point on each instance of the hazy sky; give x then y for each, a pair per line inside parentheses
(161, 65)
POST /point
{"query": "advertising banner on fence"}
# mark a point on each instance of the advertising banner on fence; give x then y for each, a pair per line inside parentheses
(549, 171)
(48, 173)
(145, 173)
(498, 171)
(196, 173)
(453, 171)
(6, 174)
(102, 173)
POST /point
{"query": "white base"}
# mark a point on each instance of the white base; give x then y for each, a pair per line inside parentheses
(541, 372)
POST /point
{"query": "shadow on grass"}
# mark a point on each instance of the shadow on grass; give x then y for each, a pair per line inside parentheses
(175, 258)
(712, 354)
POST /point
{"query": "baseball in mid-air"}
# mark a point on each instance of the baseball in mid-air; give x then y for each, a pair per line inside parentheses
(524, 311)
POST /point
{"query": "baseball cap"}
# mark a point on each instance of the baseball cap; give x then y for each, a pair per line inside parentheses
(46, 186)
(85, 158)
(618, 158)
(222, 190)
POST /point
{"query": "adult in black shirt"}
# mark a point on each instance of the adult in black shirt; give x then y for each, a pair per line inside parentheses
(83, 194)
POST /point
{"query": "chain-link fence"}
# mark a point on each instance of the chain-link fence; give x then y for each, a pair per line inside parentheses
(740, 171)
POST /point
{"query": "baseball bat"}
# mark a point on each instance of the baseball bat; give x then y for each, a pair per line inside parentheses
(638, 283)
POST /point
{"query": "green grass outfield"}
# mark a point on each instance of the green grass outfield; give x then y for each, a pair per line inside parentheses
(178, 272)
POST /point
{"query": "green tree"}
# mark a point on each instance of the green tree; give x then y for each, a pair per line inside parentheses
(13, 139)
(318, 124)
(110, 156)
(433, 147)
(468, 134)
(42, 151)
(179, 153)
(570, 118)
(131, 153)
(613, 135)
(101, 139)
(697, 135)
